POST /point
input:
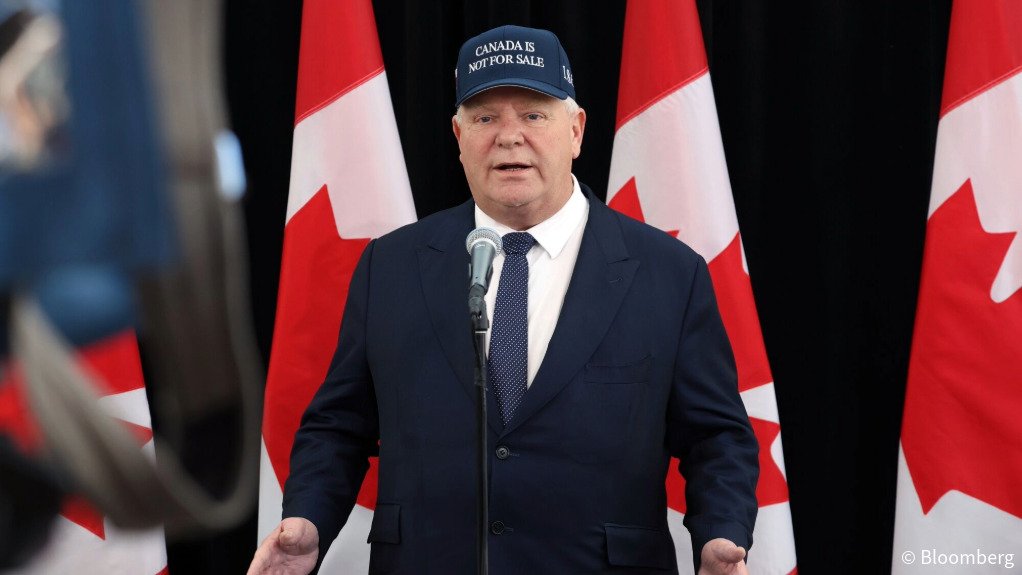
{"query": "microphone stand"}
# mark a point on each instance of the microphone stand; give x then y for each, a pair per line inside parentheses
(480, 323)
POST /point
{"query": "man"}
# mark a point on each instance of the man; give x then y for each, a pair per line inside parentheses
(607, 356)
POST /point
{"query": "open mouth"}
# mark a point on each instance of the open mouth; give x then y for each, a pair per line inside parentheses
(512, 167)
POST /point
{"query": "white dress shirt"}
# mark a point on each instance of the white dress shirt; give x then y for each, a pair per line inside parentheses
(551, 261)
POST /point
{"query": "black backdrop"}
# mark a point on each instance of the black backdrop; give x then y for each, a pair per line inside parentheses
(828, 111)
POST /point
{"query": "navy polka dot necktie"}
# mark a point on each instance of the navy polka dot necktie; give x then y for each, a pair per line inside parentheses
(509, 338)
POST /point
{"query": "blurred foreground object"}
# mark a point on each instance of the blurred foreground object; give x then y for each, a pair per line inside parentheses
(93, 164)
(23, 527)
(32, 100)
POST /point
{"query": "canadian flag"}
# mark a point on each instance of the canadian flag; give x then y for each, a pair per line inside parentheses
(348, 184)
(668, 169)
(82, 539)
(959, 505)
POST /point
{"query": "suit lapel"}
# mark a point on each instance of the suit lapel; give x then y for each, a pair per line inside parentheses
(443, 270)
(602, 276)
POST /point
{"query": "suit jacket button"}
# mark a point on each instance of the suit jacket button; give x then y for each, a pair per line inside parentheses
(503, 452)
(497, 527)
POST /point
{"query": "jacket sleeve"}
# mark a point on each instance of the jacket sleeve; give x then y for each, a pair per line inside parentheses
(709, 429)
(340, 428)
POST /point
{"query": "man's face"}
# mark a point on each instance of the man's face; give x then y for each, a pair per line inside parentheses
(517, 146)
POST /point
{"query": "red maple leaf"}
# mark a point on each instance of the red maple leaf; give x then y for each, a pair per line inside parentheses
(316, 269)
(115, 366)
(16, 420)
(114, 362)
(738, 311)
(734, 297)
(627, 202)
(367, 494)
(771, 488)
(962, 428)
(79, 510)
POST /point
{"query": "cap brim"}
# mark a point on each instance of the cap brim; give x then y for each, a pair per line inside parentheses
(534, 85)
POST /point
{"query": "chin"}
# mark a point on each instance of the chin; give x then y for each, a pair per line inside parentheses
(516, 194)
(515, 200)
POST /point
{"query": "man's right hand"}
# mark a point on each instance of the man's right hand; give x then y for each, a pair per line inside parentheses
(291, 549)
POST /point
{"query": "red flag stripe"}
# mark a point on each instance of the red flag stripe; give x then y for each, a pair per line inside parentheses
(984, 48)
(662, 51)
(339, 51)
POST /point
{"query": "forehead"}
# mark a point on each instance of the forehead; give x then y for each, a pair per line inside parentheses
(510, 95)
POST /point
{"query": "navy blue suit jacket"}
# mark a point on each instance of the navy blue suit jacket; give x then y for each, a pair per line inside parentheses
(639, 368)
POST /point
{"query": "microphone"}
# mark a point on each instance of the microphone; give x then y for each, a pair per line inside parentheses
(483, 245)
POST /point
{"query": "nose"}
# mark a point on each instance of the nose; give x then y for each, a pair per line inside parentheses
(510, 133)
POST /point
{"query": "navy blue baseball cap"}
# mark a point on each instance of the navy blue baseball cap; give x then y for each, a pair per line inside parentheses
(513, 56)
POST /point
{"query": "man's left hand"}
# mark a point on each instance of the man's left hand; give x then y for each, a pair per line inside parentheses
(722, 557)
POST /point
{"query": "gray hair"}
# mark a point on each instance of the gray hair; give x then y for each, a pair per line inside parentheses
(570, 106)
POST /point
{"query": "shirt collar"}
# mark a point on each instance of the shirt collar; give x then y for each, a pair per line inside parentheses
(552, 233)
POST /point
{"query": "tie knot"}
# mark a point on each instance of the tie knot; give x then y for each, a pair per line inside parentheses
(517, 242)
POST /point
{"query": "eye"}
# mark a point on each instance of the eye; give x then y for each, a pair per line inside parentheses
(534, 116)
(484, 119)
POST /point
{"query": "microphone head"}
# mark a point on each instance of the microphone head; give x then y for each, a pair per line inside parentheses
(484, 235)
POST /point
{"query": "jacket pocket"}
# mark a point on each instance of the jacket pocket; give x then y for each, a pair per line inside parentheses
(386, 524)
(603, 410)
(632, 546)
(635, 372)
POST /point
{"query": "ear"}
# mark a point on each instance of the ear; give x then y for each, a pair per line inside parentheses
(456, 127)
(578, 128)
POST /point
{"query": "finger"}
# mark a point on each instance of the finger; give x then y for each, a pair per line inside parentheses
(264, 554)
(289, 536)
(291, 532)
(259, 563)
(729, 553)
(297, 537)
